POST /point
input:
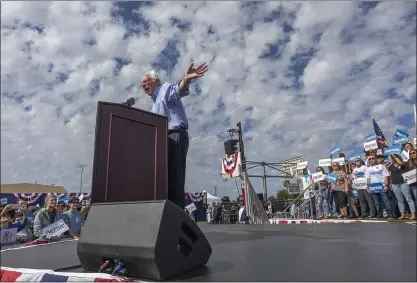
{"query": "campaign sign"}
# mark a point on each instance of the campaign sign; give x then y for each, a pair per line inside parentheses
(317, 177)
(370, 137)
(376, 188)
(325, 162)
(8, 236)
(360, 183)
(410, 176)
(335, 150)
(355, 193)
(332, 178)
(302, 165)
(399, 140)
(191, 207)
(3, 201)
(55, 229)
(370, 145)
(395, 149)
(340, 160)
(355, 156)
(405, 156)
(400, 133)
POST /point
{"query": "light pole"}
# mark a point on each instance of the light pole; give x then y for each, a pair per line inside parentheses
(82, 171)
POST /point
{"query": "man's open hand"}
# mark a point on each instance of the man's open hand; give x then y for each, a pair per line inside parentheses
(193, 73)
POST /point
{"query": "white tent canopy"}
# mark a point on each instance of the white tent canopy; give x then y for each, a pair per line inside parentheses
(211, 198)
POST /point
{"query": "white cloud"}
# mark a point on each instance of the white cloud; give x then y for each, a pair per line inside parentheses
(346, 62)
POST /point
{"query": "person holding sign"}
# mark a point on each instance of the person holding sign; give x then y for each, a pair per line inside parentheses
(322, 196)
(412, 165)
(359, 183)
(339, 189)
(378, 174)
(45, 217)
(400, 188)
(7, 219)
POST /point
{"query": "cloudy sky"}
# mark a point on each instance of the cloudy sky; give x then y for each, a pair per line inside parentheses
(301, 77)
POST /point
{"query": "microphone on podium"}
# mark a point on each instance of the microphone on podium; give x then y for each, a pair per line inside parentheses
(130, 102)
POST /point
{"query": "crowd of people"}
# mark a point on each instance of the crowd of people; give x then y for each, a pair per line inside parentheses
(373, 188)
(31, 221)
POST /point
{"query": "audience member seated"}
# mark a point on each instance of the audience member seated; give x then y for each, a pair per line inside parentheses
(47, 216)
(74, 218)
(8, 215)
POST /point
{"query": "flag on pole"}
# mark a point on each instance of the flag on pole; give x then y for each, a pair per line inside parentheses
(380, 138)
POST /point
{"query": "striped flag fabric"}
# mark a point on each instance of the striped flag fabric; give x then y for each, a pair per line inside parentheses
(380, 138)
(33, 275)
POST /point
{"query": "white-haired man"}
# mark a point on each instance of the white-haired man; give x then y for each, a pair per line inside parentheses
(166, 99)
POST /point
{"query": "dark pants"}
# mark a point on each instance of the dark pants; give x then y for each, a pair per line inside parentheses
(379, 199)
(177, 159)
(367, 204)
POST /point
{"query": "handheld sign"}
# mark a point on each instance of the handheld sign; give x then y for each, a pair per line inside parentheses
(335, 150)
(370, 145)
(332, 178)
(410, 176)
(395, 149)
(399, 140)
(191, 207)
(3, 201)
(340, 160)
(370, 137)
(355, 156)
(8, 236)
(405, 156)
(355, 193)
(400, 133)
(376, 188)
(302, 165)
(55, 229)
(317, 177)
(360, 183)
(325, 162)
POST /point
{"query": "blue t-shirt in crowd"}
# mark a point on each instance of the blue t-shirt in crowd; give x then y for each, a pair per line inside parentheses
(74, 220)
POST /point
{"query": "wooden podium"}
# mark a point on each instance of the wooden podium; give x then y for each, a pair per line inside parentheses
(130, 155)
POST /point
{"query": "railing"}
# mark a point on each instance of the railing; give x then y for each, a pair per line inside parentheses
(254, 208)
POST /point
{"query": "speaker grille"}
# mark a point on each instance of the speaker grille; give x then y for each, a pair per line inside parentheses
(231, 146)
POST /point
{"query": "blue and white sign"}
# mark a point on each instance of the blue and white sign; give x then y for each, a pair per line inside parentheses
(55, 229)
(335, 150)
(325, 162)
(376, 188)
(395, 149)
(355, 193)
(354, 156)
(399, 140)
(332, 178)
(370, 137)
(400, 133)
(360, 183)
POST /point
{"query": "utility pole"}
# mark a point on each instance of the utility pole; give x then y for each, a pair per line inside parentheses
(81, 178)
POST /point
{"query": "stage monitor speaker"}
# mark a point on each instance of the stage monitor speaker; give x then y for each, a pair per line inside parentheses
(231, 146)
(155, 240)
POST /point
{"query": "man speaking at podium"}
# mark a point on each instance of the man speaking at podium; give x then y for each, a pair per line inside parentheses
(166, 99)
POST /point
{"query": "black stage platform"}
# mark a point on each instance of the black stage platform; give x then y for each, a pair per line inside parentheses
(309, 252)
